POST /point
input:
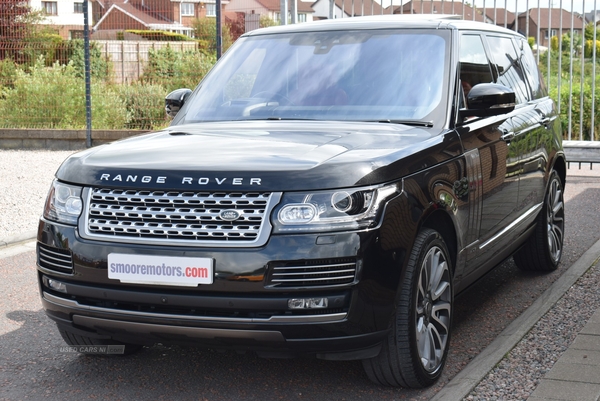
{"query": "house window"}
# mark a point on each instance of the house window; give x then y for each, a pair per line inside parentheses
(301, 17)
(49, 7)
(187, 9)
(552, 33)
(75, 34)
(211, 10)
(78, 8)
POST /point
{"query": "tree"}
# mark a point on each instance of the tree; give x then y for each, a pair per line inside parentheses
(23, 35)
(205, 30)
(13, 27)
(265, 21)
(589, 32)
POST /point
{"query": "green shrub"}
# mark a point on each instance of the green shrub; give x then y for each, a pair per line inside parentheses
(205, 31)
(54, 97)
(589, 48)
(99, 66)
(162, 36)
(554, 43)
(265, 21)
(8, 73)
(145, 105)
(173, 69)
(45, 45)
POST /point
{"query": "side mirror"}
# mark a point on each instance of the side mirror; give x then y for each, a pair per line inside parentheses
(487, 100)
(175, 100)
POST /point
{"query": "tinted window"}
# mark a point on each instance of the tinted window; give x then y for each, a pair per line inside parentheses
(532, 72)
(474, 64)
(510, 73)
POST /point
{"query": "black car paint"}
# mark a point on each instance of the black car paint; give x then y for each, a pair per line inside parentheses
(438, 188)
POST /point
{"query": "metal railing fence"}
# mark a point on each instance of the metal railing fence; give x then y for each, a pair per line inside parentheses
(133, 62)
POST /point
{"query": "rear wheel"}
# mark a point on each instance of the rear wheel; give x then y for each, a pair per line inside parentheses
(415, 351)
(543, 249)
(87, 345)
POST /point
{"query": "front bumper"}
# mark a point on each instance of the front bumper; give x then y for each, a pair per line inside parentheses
(241, 309)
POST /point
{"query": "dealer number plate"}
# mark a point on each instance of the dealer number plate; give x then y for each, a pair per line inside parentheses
(160, 270)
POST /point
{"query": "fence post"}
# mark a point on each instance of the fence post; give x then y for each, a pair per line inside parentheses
(219, 30)
(123, 80)
(283, 12)
(87, 73)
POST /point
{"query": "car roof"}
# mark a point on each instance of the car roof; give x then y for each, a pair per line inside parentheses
(431, 21)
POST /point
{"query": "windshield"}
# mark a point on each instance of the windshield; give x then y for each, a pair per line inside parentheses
(382, 75)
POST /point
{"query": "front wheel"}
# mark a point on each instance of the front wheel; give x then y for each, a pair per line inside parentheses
(543, 249)
(415, 351)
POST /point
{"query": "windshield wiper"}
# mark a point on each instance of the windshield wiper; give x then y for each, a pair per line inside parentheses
(278, 119)
(414, 123)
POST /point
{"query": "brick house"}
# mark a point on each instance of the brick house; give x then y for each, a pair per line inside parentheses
(66, 15)
(501, 17)
(254, 9)
(549, 23)
(346, 8)
(440, 7)
(164, 15)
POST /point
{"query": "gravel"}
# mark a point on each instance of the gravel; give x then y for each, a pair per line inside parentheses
(25, 177)
(519, 373)
(522, 369)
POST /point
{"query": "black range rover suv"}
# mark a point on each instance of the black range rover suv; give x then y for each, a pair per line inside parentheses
(326, 190)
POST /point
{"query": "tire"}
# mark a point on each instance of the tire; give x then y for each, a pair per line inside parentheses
(76, 340)
(543, 250)
(414, 354)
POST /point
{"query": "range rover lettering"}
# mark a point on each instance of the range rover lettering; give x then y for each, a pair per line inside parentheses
(326, 190)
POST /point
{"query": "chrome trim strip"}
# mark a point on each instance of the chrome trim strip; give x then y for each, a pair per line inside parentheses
(263, 233)
(289, 280)
(475, 177)
(53, 254)
(48, 263)
(532, 210)
(332, 317)
(314, 266)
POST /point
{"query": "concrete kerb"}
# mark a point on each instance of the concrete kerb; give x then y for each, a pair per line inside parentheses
(18, 244)
(14, 240)
(466, 380)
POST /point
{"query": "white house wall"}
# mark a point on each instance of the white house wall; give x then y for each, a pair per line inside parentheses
(321, 8)
(64, 10)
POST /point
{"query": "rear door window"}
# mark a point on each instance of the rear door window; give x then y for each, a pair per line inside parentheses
(510, 71)
(538, 90)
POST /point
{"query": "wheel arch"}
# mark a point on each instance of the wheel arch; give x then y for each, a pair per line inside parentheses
(560, 165)
(440, 221)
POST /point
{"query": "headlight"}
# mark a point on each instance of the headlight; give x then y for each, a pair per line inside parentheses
(334, 210)
(64, 203)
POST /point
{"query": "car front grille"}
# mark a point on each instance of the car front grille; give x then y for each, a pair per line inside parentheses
(187, 217)
(312, 273)
(55, 259)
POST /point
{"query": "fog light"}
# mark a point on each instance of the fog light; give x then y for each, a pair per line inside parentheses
(307, 303)
(57, 285)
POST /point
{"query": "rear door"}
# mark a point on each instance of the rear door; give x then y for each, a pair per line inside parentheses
(529, 120)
